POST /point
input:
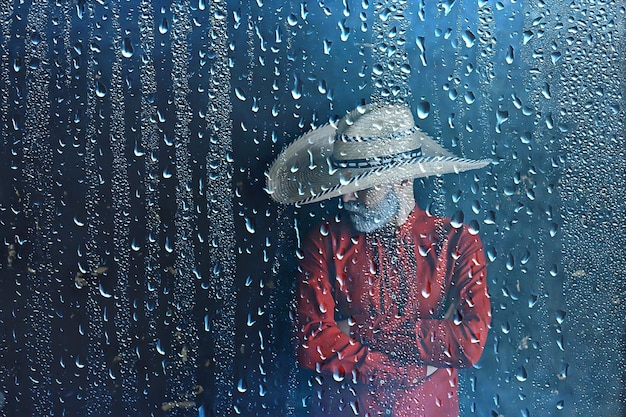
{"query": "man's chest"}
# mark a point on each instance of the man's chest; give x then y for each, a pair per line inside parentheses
(375, 280)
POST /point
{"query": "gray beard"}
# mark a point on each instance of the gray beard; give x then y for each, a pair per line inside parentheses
(370, 219)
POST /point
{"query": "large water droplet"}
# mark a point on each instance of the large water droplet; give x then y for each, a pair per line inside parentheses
(469, 38)
(423, 109)
(447, 6)
(510, 55)
(164, 26)
(242, 385)
(250, 225)
(101, 90)
(239, 93)
(339, 375)
(457, 219)
(296, 91)
(127, 48)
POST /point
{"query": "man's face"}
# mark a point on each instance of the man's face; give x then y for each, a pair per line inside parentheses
(372, 208)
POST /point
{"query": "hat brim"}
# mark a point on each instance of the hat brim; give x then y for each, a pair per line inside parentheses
(303, 173)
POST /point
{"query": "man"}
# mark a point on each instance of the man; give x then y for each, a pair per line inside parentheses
(392, 300)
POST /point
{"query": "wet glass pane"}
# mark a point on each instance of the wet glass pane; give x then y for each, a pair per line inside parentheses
(147, 268)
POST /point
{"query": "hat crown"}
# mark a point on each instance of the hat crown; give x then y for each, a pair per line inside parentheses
(376, 121)
(376, 136)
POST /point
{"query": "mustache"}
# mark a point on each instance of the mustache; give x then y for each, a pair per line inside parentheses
(355, 206)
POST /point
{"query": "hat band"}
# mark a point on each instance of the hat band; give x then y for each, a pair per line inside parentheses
(347, 138)
(378, 161)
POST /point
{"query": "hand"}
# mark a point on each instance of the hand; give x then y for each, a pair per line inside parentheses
(391, 335)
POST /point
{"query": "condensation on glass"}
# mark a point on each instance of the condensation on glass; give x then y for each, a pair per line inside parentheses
(145, 270)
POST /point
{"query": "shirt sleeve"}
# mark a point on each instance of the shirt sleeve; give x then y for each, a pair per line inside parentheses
(459, 341)
(321, 345)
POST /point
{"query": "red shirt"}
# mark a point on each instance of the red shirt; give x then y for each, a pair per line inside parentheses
(405, 293)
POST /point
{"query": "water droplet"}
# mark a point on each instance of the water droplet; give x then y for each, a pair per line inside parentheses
(527, 36)
(34, 63)
(80, 363)
(242, 385)
(168, 245)
(474, 227)
(510, 55)
(553, 229)
(505, 327)
(340, 374)
(457, 219)
(327, 46)
(491, 253)
(80, 9)
(17, 64)
(138, 151)
(159, 348)
(35, 38)
(423, 109)
(101, 90)
(240, 94)
(501, 117)
(427, 290)
(510, 262)
(164, 26)
(127, 48)
(103, 291)
(237, 18)
(545, 91)
(475, 206)
(250, 225)
(469, 38)
(296, 91)
(345, 30)
(554, 270)
(447, 6)
(521, 374)
(135, 246)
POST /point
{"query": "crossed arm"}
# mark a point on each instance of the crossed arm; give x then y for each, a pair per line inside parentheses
(402, 353)
(346, 328)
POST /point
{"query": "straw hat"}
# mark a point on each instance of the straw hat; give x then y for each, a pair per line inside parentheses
(372, 145)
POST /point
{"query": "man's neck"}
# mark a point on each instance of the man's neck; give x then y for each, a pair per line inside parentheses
(406, 197)
(405, 211)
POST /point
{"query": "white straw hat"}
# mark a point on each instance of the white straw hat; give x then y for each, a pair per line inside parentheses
(372, 145)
